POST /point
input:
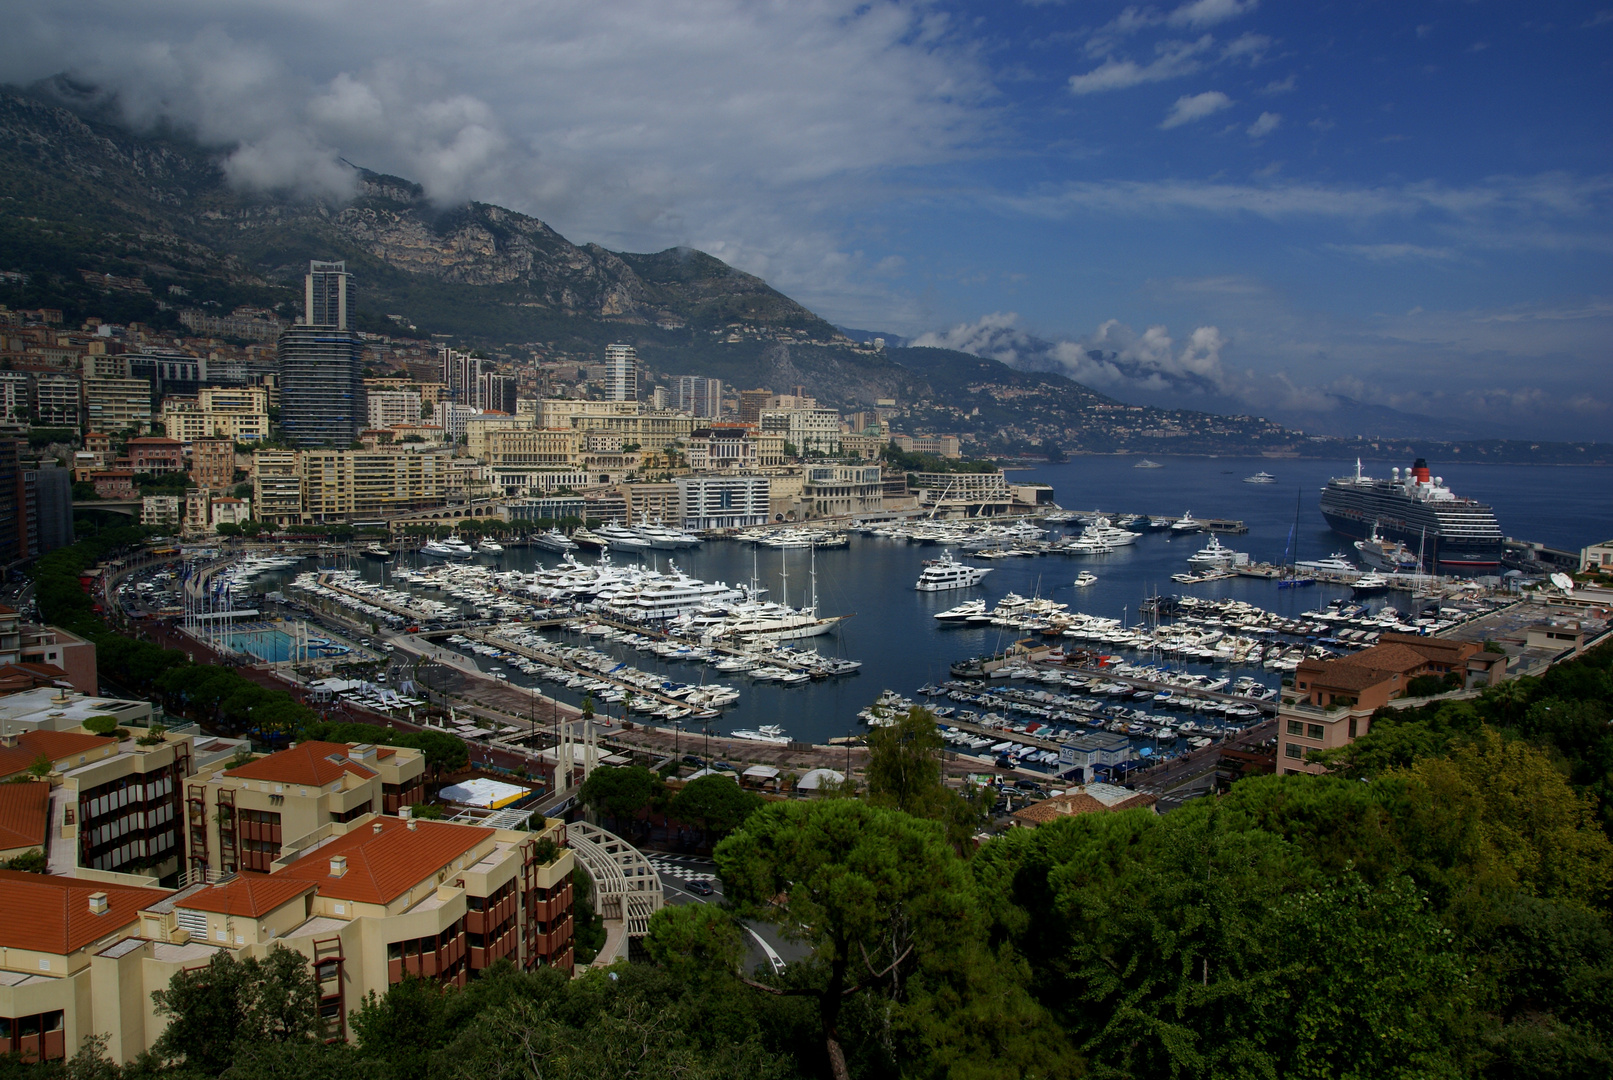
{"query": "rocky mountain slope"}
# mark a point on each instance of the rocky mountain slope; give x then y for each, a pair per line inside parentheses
(81, 192)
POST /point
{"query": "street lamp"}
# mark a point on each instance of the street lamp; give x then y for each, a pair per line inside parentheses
(677, 737)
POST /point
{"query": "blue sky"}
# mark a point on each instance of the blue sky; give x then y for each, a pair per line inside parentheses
(1299, 210)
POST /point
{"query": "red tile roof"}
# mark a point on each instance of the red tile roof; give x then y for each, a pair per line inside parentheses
(55, 745)
(383, 866)
(312, 763)
(24, 815)
(52, 914)
(249, 895)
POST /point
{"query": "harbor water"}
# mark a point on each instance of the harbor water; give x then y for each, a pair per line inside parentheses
(890, 626)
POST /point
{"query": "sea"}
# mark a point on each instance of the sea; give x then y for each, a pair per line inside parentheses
(889, 626)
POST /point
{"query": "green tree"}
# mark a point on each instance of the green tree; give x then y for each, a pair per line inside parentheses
(695, 942)
(402, 1029)
(904, 773)
(621, 793)
(218, 1012)
(717, 804)
(874, 892)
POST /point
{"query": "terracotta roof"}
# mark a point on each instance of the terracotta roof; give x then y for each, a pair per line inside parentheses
(55, 745)
(1040, 813)
(50, 914)
(1397, 658)
(1345, 677)
(24, 815)
(383, 866)
(249, 895)
(312, 763)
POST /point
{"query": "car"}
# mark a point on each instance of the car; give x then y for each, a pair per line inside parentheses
(701, 888)
(693, 762)
(724, 766)
(1027, 785)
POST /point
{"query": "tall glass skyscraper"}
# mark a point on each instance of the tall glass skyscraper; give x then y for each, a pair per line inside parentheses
(321, 384)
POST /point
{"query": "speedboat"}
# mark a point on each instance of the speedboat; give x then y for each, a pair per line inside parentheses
(962, 613)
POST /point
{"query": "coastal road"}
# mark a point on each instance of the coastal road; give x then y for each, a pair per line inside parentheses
(677, 872)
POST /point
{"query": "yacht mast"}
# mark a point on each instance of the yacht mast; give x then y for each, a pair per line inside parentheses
(813, 562)
(784, 569)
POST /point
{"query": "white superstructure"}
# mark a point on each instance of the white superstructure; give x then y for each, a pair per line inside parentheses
(945, 573)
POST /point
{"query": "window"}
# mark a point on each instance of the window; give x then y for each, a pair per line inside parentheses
(1352, 727)
(1295, 727)
(1313, 731)
(1293, 750)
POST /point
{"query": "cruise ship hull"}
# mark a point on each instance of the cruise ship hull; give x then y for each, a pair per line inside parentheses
(1446, 554)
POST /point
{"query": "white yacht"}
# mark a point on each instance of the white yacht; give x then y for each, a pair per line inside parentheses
(1105, 533)
(1370, 584)
(553, 540)
(968, 611)
(946, 573)
(1213, 554)
(1389, 555)
(488, 546)
(1335, 563)
(1260, 478)
(450, 547)
(1186, 523)
(376, 551)
(1084, 579)
(767, 733)
(622, 539)
(1146, 464)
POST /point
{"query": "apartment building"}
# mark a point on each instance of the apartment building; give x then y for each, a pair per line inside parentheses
(479, 428)
(723, 449)
(388, 407)
(117, 404)
(156, 455)
(162, 511)
(971, 494)
(807, 429)
(340, 485)
(212, 463)
(366, 904)
(277, 486)
(306, 486)
(58, 399)
(1333, 700)
(516, 448)
(16, 395)
(31, 643)
(722, 502)
(621, 373)
(842, 490)
(699, 396)
(242, 818)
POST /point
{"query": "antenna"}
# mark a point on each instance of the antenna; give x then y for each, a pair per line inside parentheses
(1563, 582)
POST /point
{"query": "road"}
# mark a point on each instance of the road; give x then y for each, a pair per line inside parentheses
(767, 946)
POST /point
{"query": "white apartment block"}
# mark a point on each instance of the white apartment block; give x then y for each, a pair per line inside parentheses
(805, 428)
(388, 407)
(621, 373)
(723, 502)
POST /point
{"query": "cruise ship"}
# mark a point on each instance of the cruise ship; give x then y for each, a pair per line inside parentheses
(946, 573)
(1415, 508)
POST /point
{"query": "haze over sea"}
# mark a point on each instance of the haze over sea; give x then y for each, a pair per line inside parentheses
(902, 647)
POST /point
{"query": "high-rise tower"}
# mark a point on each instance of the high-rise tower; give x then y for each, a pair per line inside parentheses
(321, 385)
(621, 373)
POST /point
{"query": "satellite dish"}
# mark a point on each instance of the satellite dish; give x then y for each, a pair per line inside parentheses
(1563, 582)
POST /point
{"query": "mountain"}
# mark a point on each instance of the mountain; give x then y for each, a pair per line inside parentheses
(86, 196)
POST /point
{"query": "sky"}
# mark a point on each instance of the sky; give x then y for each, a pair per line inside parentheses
(1317, 211)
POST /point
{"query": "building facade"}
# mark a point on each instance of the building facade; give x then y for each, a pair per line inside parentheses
(320, 381)
(699, 396)
(621, 373)
(723, 502)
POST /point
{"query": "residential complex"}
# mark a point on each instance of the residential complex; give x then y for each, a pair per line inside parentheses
(621, 373)
(321, 385)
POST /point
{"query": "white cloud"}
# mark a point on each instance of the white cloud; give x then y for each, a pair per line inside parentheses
(1175, 59)
(730, 124)
(1279, 86)
(1264, 125)
(1191, 107)
(1392, 252)
(1249, 47)
(1209, 12)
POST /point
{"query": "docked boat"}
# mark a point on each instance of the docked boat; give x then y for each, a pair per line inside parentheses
(1370, 584)
(588, 538)
(1413, 507)
(376, 551)
(553, 540)
(1260, 478)
(946, 573)
(488, 546)
(1146, 464)
(1104, 533)
(1085, 579)
(1390, 556)
(766, 733)
(1213, 554)
(449, 547)
(1336, 563)
(968, 611)
(622, 539)
(1186, 523)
